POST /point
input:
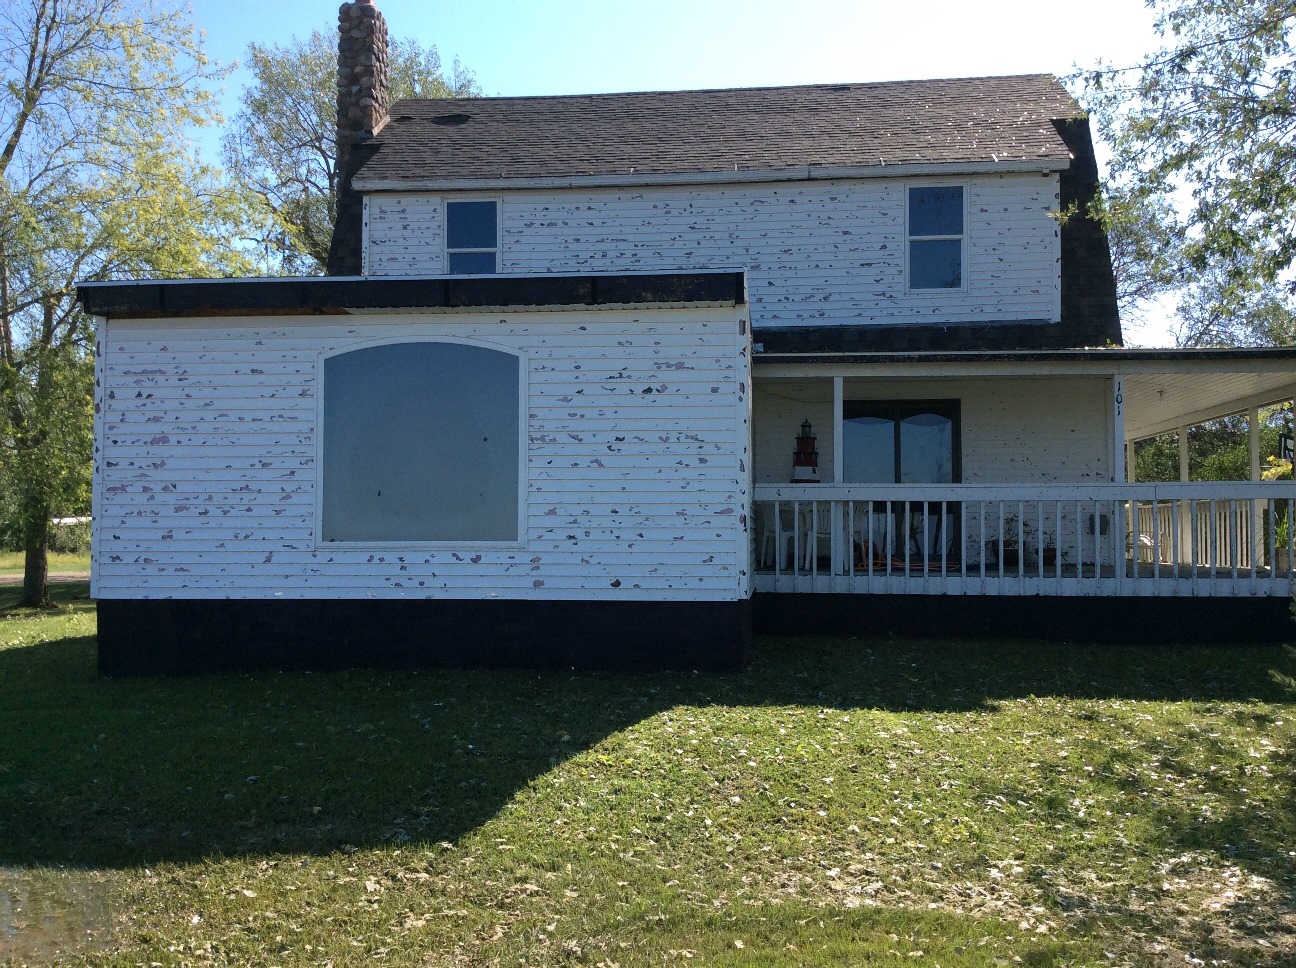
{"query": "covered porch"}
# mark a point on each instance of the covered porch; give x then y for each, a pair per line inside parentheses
(1007, 474)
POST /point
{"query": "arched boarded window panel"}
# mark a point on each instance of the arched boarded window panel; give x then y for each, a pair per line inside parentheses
(421, 443)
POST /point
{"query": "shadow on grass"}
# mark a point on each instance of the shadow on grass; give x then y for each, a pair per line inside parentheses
(105, 773)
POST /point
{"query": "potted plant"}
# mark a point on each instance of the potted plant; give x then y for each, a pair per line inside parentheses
(1047, 547)
(1282, 545)
(1007, 544)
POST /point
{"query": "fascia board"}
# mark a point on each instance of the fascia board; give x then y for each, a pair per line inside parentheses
(1043, 166)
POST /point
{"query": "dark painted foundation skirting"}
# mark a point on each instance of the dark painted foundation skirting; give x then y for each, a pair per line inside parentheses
(1102, 620)
(176, 636)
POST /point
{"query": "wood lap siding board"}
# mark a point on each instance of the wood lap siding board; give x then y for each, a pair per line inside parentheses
(405, 235)
(816, 253)
(207, 469)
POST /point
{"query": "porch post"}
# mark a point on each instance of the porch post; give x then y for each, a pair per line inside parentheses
(1253, 442)
(839, 395)
(1118, 429)
(1257, 509)
(1186, 523)
(1119, 528)
(840, 556)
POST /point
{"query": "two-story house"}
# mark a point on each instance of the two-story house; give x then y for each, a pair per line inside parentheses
(603, 380)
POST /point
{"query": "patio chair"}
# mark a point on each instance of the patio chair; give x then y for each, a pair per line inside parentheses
(815, 524)
(770, 537)
(892, 534)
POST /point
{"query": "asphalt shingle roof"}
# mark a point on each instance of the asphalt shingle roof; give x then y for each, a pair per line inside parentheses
(981, 120)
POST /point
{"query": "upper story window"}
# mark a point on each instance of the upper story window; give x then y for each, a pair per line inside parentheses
(472, 237)
(936, 237)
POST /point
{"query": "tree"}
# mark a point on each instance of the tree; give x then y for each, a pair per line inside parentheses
(95, 183)
(1203, 133)
(1146, 247)
(282, 145)
(1224, 307)
(1217, 450)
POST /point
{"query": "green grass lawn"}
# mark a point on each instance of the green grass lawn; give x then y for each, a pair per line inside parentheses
(11, 562)
(842, 802)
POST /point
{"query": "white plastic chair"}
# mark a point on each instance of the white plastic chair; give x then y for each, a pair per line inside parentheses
(815, 522)
(770, 537)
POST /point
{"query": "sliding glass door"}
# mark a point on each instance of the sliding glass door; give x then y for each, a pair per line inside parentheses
(900, 442)
(903, 442)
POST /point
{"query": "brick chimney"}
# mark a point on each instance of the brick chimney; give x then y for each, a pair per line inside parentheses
(361, 113)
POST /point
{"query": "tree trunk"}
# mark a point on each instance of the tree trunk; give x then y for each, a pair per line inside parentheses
(36, 562)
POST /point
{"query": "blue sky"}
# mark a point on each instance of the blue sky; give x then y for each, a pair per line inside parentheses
(517, 47)
(581, 47)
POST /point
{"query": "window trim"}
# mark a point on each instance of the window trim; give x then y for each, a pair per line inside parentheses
(952, 407)
(446, 251)
(962, 239)
(317, 540)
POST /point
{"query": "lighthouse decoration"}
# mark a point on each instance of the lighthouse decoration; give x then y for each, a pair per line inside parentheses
(805, 459)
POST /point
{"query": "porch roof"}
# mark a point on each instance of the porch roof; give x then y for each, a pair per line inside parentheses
(1164, 388)
(1111, 357)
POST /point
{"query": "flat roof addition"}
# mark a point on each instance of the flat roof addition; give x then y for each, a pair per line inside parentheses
(295, 296)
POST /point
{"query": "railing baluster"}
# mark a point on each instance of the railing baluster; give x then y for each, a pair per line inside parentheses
(1175, 508)
(812, 542)
(1194, 539)
(1209, 535)
(796, 545)
(963, 539)
(1108, 508)
(850, 539)
(981, 538)
(943, 531)
(1057, 540)
(924, 542)
(999, 544)
(1097, 513)
(888, 538)
(912, 540)
(868, 549)
(1039, 536)
(1080, 533)
(1270, 538)
(1156, 538)
(1255, 512)
(1235, 529)
(1291, 537)
(1021, 542)
(778, 540)
(1291, 534)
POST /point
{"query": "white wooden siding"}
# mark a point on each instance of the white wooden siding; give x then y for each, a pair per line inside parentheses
(1013, 430)
(406, 235)
(778, 408)
(637, 461)
(816, 253)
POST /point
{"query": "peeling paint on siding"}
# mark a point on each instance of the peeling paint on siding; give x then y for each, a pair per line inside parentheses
(206, 478)
(815, 254)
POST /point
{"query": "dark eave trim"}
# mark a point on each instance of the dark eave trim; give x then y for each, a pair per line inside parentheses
(297, 296)
(1044, 164)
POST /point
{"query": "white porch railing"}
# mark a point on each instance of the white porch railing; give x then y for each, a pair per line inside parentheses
(1198, 539)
